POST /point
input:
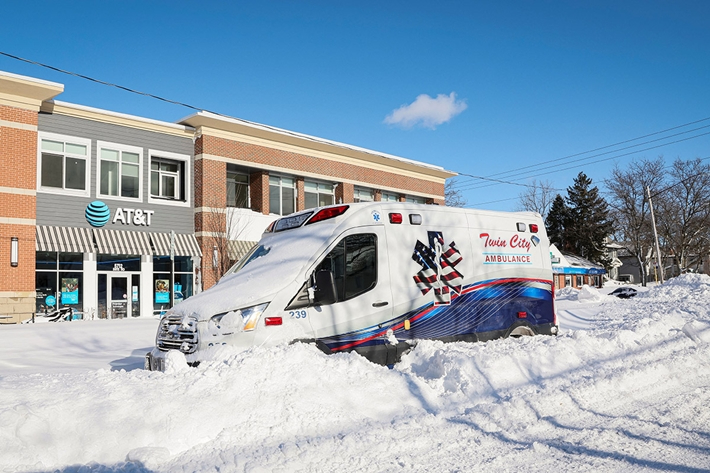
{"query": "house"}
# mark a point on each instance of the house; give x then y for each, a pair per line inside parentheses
(574, 271)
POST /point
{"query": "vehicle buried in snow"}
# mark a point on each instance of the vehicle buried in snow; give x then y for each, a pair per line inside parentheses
(374, 278)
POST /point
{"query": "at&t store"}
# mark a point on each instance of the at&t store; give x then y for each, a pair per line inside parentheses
(115, 222)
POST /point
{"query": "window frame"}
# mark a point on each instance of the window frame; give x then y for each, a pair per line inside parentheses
(121, 148)
(415, 199)
(318, 192)
(184, 160)
(86, 192)
(248, 192)
(358, 190)
(396, 196)
(281, 186)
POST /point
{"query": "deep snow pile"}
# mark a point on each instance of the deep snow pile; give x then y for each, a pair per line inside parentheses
(629, 394)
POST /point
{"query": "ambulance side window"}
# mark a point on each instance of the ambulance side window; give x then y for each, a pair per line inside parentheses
(353, 263)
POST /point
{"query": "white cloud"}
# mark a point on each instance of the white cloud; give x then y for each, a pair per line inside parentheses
(427, 111)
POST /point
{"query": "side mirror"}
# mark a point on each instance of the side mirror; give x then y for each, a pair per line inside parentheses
(325, 292)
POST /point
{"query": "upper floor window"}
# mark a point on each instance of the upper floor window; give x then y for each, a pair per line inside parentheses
(119, 170)
(386, 197)
(169, 178)
(165, 179)
(237, 189)
(318, 194)
(363, 195)
(282, 195)
(415, 200)
(63, 163)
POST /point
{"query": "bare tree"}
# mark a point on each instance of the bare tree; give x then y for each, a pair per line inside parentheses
(684, 212)
(630, 208)
(221, 224)
(538, 197)
(453, 196)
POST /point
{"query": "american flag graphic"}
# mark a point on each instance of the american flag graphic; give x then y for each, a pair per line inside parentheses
(438, 268)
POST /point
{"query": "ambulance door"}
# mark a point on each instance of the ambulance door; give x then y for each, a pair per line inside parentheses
(359, 265)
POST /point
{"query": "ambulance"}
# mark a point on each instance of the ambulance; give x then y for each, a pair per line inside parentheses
(374, 278)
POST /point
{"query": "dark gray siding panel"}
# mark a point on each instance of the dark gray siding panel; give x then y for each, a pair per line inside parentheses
(64, 210)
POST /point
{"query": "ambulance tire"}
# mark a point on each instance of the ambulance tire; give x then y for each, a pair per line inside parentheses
(521, 331)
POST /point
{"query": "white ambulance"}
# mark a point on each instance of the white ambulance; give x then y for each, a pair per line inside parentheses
(374, 278)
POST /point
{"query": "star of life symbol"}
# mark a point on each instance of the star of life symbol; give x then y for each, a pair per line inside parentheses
(375, 215)
(438, 268)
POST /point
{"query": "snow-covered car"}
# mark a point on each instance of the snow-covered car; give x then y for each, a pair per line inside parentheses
(624, 292)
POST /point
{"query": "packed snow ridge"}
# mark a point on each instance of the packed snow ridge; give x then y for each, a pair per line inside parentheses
(624, 387)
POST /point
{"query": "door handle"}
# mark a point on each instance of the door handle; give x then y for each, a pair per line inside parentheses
(379, 304)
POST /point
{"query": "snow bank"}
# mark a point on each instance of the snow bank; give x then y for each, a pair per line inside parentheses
(630, 393)
(589, 294)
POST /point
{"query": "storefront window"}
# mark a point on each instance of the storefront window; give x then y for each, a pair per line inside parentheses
(71, 261)
(182, 285)
(46, 260)
(55, 286)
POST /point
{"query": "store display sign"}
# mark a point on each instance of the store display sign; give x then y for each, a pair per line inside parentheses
(162, 292)
(70, 291)
(178, 292)
(135, 293)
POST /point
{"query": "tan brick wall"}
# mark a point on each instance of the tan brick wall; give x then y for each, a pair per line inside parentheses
(22, 277)
(259, 191)
(17, 309)
(345, 192)
(18, 153)
(296, 163)
(18, 205)
(300, 194)
(18, 169)
(18, 115)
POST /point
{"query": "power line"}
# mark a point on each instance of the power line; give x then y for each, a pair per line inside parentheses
(174, 102)
(478, 185)
(615, 144)
(499, 181)
(581, 160)
(490, 178)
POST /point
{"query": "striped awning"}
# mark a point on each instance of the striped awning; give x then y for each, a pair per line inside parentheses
(238, 248)
(117, 242)
(185, 244)
(64, 239)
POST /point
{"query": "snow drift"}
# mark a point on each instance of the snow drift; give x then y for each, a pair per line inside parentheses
(630, 393)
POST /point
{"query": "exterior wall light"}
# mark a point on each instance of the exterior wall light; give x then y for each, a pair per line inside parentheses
(14, 251)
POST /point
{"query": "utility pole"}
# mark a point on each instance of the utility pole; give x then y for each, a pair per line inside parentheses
(655, 234)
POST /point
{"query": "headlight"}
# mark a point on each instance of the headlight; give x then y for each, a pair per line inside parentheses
(245, 319)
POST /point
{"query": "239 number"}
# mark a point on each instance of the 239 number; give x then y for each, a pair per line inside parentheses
(298, 314)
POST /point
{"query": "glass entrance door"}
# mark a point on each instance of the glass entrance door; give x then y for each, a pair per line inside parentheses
(118, 297)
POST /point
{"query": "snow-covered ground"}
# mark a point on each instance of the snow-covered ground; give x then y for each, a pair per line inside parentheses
(624, 387)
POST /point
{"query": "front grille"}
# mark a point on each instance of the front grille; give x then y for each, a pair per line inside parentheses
(177, 333)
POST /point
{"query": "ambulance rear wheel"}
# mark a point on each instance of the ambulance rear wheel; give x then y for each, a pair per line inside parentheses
(521, 331)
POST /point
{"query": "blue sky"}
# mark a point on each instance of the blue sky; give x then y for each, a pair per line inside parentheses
(480, 88)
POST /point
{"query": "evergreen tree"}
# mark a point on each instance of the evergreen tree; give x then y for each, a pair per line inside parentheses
(556, 222)
(588, 223)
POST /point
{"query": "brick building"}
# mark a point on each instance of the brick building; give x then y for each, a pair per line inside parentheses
(105, 212)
